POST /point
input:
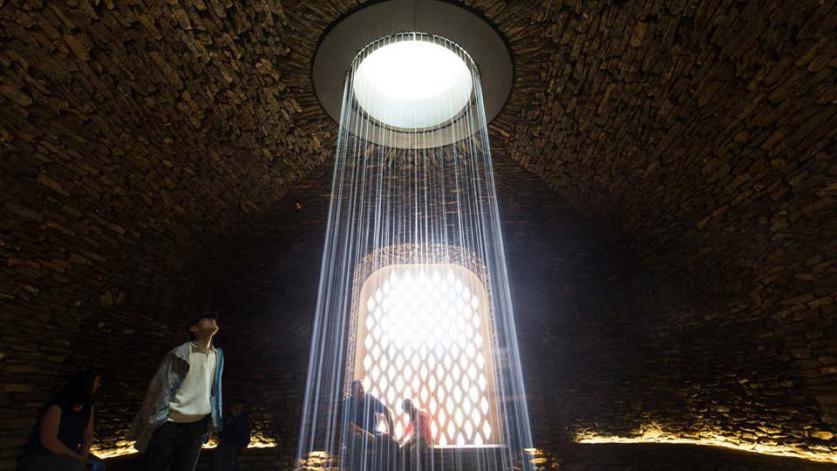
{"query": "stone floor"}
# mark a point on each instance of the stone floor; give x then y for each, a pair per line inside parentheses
(667, 457)
(573, 457)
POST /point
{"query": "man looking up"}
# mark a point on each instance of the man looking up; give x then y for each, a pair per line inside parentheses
(183, 402)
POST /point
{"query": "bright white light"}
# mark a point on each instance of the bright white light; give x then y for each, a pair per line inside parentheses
(417, 347)
(412, 84)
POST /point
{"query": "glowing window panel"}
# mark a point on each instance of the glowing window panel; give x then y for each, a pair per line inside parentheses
(427, 324)
(412, 84)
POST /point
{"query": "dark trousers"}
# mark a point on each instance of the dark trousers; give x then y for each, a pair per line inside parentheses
(226, 457)
(377, 453)
(175, 445)
(414, 455)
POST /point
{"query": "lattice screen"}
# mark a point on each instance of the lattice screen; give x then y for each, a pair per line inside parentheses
(423, 332)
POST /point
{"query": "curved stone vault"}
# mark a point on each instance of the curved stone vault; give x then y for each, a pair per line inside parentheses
(669, 206)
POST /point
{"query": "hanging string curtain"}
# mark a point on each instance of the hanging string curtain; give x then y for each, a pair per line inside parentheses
(414, 297)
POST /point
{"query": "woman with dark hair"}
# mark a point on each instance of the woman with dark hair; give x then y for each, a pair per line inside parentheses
(64, 432)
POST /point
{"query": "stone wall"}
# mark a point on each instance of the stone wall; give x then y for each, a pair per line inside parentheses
(266, 279)
(575, 457)
(147, 146)
(705, 132)
(132, 136)
(606, 346)
(664, 457)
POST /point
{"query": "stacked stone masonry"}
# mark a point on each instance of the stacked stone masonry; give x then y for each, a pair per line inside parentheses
(674, 263)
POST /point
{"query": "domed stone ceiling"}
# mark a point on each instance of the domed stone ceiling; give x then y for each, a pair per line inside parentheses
(139, 138)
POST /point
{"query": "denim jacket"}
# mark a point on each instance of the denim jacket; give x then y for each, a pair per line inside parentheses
(165, 383)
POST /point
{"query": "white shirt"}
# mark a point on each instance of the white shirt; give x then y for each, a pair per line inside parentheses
(191, 402)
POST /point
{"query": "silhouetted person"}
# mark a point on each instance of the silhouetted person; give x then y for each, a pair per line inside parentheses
(64, 432)
(183, 402)
(233, 439)
(367, 449)
(419, 437)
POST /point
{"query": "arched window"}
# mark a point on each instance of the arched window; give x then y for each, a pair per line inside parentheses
(423, 331)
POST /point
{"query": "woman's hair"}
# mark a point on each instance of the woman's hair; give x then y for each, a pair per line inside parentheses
(79, 390)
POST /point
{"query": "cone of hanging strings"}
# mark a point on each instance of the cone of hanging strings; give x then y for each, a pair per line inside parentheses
(414, 300)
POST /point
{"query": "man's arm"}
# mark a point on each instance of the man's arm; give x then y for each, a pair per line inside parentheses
(157, 396)
(388, 415)
(357, 429)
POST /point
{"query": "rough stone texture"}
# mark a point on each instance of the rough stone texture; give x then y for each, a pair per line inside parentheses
(132, 135)
(595, 355)
(253, 459)
(575, 457)
(146, 145)
(705, 132)
(660, 457)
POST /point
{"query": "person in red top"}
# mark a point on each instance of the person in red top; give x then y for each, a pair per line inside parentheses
(419, 437)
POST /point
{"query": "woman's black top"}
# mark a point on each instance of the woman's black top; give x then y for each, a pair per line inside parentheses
(70, 429)
(236, 433)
